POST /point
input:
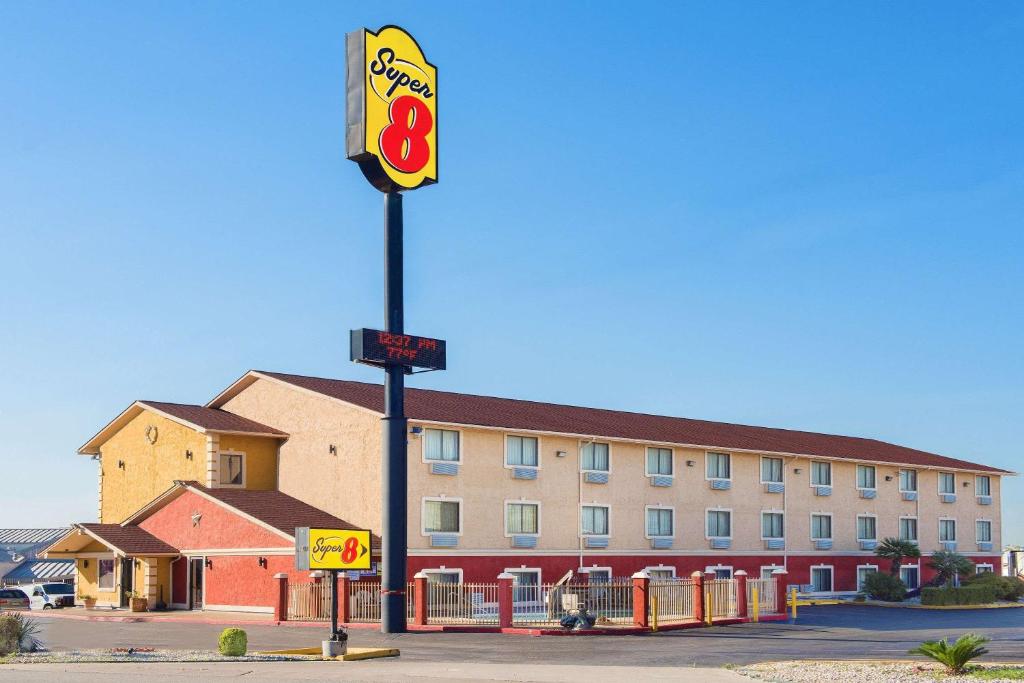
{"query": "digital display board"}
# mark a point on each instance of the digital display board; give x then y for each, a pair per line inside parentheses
(376, 347)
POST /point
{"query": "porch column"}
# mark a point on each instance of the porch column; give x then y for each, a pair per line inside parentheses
(741, 594)
(420, 596)
(641, 611)
(281, 603)
(698, 596)
(505, 599)
(780, 590)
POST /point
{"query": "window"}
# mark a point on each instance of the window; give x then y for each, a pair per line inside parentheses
(441, 444)
(718, 466)
(106, 575)
(232, 469)
(594, 520)
(661, 573)
(862, 574)
(768, 571)
(908, 529)
(719, 524)
(947, 529)
(771, 525)
(908, 480)
(983, 528)
(597, 574)
(526, 585)
(595, 457)
(821, 579)
(522, 518)
(442, 517)
(983, 485)
(720, 571)
(659, 522)
(659, 462)
(821, 527)
(866, 528)
(821, 474)
(911, 576)
(947, 483)
(865, 476)
(982, 568)
(771, 470)
(521, 451)
(443, 575)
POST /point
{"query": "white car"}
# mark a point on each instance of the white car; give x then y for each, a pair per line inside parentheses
(50, 595)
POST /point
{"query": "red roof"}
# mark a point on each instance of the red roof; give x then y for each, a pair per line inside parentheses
(212, 418)
(131, 540)
(505, 413)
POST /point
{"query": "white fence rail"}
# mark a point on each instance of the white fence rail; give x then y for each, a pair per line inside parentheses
(309, 601)
(547, 604)
(674, 599)
(462, 603)
(720, 599)
(766, 595)
(364, 601)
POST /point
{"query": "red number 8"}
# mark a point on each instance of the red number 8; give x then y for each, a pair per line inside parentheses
(348, 554)
(403, 142)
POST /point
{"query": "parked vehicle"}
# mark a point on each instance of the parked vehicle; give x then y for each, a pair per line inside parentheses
(50, 595)
(12, 599)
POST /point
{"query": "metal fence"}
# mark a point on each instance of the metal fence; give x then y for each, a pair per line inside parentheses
(765, 595)
(674, 599)
(462, 603)
(309, 601)
(547, 604)
(720, 600)
(364, 601)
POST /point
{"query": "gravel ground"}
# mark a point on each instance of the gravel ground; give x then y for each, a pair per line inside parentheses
(98, 656)
(855, 672)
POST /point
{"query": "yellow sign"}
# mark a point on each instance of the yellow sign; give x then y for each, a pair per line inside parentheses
(391, 126)
(332, 549)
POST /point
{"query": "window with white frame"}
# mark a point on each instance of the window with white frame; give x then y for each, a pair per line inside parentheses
(867, 528)
(720, 571)
(718, 466)
(526, 585)
(442, 516)
(659, 462)
(908, 529)
(865, 476)
(661, 573)
(983, 528)
(821, 579)
(772, 526)
(597, 574)
(908, 480)
(232, 469)
(595, 457)
(983, 485)
(862, 574)
(660, 522)
(522, 518)
(719, 524)
(441, 445)
(821, 527)
(947, 483)
(594, 520)
(983, 568)
(947, 530)
(821, 473)
(768, 571)
(522, 451)
(105, 581)
(910, 575)
(443, 575)
(771, 470)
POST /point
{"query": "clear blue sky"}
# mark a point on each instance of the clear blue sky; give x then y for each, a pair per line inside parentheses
(792, 214)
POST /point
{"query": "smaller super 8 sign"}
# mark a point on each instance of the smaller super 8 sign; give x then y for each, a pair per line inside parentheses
(377, 347)
(332, 549)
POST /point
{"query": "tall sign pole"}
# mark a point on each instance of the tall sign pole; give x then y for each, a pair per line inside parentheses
(391, 131)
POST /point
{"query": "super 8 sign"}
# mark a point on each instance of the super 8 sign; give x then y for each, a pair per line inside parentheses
(391, 93)
(332, 548)
(377, 347)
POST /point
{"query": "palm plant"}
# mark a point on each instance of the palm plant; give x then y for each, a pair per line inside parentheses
(949, 565)
(18, 633)
(954, 657)
(894, 550)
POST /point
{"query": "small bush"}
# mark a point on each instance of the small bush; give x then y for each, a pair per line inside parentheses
(964, 595)
(233, 642)
(18, 634)
(879, 586)
(954, 657)
(1006, 587)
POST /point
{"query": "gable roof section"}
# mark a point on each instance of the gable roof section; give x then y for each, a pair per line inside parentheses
(200, 418)
(488, 411)
(128, 540)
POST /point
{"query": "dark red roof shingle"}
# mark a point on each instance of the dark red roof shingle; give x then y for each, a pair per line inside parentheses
(489, 411)
(212, 418)
(131, 540)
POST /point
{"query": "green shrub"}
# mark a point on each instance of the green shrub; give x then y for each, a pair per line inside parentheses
(18, 634)
(879, 586)
(964, 595)
(233, 642)
(1006, 587)
(954, 657)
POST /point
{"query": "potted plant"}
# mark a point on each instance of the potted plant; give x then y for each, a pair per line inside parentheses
(137, 602)
(89, 600)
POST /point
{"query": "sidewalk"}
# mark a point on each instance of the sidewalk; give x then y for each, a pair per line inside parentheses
(177, 616)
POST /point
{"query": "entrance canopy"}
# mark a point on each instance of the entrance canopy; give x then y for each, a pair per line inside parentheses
(123, 541)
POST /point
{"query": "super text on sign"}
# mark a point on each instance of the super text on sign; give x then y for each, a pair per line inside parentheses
(377, 347)
(391, 124)
(332, 548)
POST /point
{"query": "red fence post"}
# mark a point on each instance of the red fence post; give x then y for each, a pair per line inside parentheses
(420, 596)
(281, 603)
(741, 594)
(506, 593)
(344, 600)
(641, 608)
(780, 590)
(698, 596)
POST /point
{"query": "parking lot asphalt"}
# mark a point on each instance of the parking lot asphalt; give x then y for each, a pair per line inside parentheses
(826, 632)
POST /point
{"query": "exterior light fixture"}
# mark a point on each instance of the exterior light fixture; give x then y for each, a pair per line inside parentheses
(120, 464)
(888, 477)
(188, 455)
(691, 463)
(416, 430)
(332, 449)
(560, 454)
(209, 563)
(797, 470)
(85, 563)
(263, 562)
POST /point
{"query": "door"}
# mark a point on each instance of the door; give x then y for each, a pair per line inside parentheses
(195, 585)
(127, 579)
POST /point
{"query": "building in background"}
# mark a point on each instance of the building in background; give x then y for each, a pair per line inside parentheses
(19, 561)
